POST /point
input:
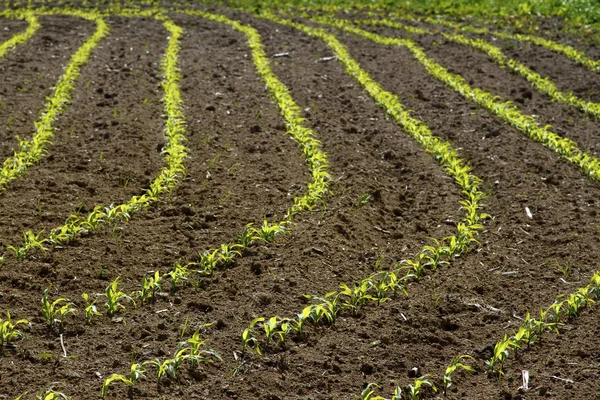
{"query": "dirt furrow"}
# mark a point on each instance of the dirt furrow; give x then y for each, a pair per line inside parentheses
(30, 72)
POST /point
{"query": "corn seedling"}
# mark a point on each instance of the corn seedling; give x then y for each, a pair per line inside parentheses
(136, 372)
(150, 286)
(245, 236)
(297, 325)
(31, 243)
(208, 262)
(414, 390)
(113, 298)
(326, 308)
(52, 395)
(357, 296)
(248, 337)
(500, 355)
(196, 353)
(369, 391)
(90, 308)
(8, 331)
(454, 364)
(177, 274)
(415, 267)
(267, 232)
(434, 255)
(564, 269)
(227, 253)
(53, 312)
(270, 327)
(169, 367)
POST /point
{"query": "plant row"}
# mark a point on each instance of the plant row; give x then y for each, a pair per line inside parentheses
(32, 26)
(531, 331)
(382, 284)
(544, 85)
(55, 313)
(506, 110)
(564, 308)
(572, 53)
(29, 152)
(315, 158)
(174, 152)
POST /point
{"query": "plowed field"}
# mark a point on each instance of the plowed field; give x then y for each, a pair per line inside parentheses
(295, 206)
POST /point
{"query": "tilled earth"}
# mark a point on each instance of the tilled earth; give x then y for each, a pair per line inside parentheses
(243, 167)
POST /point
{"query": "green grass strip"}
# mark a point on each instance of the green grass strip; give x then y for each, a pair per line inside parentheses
(30, 152)
(506, 110)
(174, 152)
(21, 37)
(544, 85)
(384, 283)
(572, 53)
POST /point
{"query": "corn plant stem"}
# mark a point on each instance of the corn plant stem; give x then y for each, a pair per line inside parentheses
(174, 151)
(30, 152)
(21, 37)
(441, 150)
(506, 111)
(542, 84)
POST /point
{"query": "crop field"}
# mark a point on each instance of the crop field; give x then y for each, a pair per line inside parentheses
(268, 201)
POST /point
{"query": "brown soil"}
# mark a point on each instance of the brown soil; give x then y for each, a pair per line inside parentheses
(10, 27)
(243, 167)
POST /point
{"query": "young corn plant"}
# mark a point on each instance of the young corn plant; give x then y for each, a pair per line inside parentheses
(454, 364)
(285, 327)
(196, 353)
(369, 391)
(8, 331)
(267, 232)
(416, 268)
(53, 312)
(327, 308)
(31, 243)
(357, 296)
(208, 262)
(51, 395)
(136, 372)
(245, 237)
(227, 253)
(90, 308)
(178, 274)
(414, 391)
(270, 327)
(114, 297)
(249, 337)
(169, 367)
(501, 350)
(297, 325)
(150, 286)
(434, 255)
